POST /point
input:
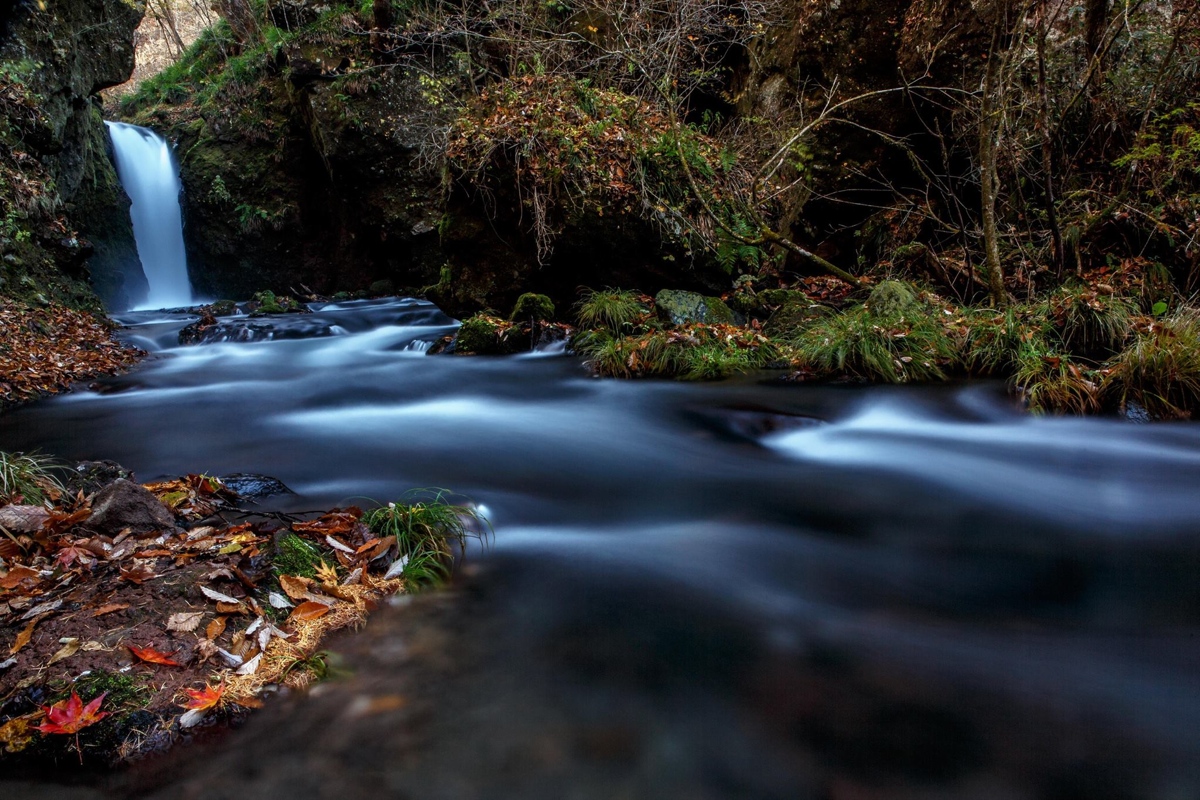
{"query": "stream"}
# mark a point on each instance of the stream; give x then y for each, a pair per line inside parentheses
(843, 591)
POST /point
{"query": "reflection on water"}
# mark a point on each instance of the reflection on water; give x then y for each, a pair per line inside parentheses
(1046, 567)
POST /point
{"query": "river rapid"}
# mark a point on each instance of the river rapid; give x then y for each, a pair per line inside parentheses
(799, 590)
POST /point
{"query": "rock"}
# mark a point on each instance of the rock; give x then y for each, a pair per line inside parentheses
(382, 288)
(123, 504)
(891, 298)
(681, 308)
(91, 476)
(533, 307)
(223, 308)
(486, 335)
(252, 487)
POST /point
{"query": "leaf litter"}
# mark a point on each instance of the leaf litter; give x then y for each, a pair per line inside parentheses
(195, 623)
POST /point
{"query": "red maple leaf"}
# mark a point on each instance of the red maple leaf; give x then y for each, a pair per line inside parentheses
(71, 716)
(152, 656)
(209, 696)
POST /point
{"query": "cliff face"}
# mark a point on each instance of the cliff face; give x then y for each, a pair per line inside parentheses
(64, 204)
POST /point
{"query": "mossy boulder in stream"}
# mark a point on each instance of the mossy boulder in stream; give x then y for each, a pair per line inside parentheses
(535, 307)
(488, 335)
(680, 308)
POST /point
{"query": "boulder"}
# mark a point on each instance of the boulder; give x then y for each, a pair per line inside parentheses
(124, 504)
(535, 307)
(681, 308)
(891, 298)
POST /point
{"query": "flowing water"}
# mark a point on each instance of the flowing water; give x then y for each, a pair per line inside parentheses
(935, 589)
(150, 176)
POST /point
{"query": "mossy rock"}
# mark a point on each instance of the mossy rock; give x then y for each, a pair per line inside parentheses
(223, 308)
(488, 335)
(892, 298)
(536, 307)
(681, 308)
(792, 317)
(383, 288)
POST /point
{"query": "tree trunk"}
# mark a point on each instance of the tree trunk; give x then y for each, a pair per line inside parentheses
(1057, 253)
(989, 136)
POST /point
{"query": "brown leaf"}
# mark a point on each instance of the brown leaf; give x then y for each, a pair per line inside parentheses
(110, 608)
(66, 651)
(296, 588)
(17, 575)
(215, 628)
(138, 574)
(231, 608)
(309, 611)
(327, 574)
(152, 656)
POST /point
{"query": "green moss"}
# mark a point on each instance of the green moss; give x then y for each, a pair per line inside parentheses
(792, 317)
(533, 307)
(695, 352)
(294, 556)
(892, 298)
(486, 334)
(681, 308)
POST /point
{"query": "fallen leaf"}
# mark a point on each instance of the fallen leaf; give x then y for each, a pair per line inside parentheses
(152, 656)
(309, 610)
(296, 588)
(70, 648)
(278, 601)
(24, 636)
(110, 608)
(213, 594)
(184, 621)
(327, 574)
(18, 574)
(8, 662)
(247, 702)
(138, 574)
(250, 667)
(336, 545)
(200, 699)
(15, 734)
(215, 628)
(230, 608)
(42, 608)
(71, 715)
(397, 567)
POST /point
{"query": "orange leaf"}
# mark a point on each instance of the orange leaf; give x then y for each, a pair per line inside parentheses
(309, 611)
(24, 636)
(152, 656)
(215, 628)
(71, 715)
(207, 697)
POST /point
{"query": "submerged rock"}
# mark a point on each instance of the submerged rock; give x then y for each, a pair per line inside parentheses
(680, 308)
(124, 504)
(252, 487)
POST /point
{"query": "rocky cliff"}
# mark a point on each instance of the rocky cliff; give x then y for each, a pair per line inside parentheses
(65, 218)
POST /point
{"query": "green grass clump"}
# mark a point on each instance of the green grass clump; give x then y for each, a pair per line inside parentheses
(294, 556)
(615, 310)
(1090, 322)
(28, 478)
(996, 342)
(1160, 370)
(428, 530)
(1053, 383)
(863, 343)
(691, 352)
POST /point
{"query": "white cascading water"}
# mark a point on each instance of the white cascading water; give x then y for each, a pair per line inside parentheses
(150, 176)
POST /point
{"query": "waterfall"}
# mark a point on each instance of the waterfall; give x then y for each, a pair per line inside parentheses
(150, 176)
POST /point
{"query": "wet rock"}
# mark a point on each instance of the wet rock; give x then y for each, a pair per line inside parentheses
(680, 308)
(252, 487)
(90, 477)
(124, 504)
(535, 307)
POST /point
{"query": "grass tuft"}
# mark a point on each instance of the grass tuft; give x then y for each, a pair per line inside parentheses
(428, 530)
(1089, 322)
(28, 478)
(1160, 370)
(613, 309)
